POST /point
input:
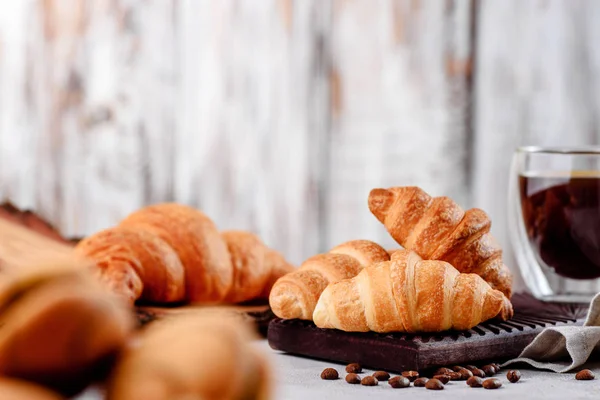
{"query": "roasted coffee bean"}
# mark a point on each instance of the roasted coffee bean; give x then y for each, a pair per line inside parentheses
(354, 368)
(492, 383)
(443, 371)
(329, 374)
(497, 366)
(489, 370)
(457, 368)
(584, 375)
(442, 378)
(513, 376)
(399, 382)
(470, 367)
(381, 375)
(352, 378)
(465, 374)
(369, 381)
(454, 376)
(411, 375)
(420, 382)
(434, 384)
(475, 381)
(478, 372)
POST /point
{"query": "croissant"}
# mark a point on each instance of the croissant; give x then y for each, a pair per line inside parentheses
(193, 357)
(408, 294)
(14, 389)
(169, 253)
(295, 295)
(439, 229)
(60, 327)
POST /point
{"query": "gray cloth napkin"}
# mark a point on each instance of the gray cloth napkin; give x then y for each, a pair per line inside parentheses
(564, 348)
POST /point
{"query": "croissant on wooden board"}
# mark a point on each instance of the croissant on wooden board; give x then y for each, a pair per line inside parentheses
(168, 253)
(59, 327)
(408, 294)
(439, 229)
(192, 356)
(295, 294)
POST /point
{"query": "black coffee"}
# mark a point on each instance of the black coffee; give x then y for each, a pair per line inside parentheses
(562, 219)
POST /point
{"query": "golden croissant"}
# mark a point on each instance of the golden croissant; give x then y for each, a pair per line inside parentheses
(169, 253)
(295, 295)
(439, 229)
(193, 356)
(408, 294)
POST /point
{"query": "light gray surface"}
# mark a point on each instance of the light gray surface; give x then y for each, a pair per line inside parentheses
(298, 379)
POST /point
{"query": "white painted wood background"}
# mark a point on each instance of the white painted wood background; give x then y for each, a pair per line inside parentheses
(279, 116)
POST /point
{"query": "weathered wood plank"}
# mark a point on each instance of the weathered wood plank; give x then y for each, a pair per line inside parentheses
(537, 83)
(252, 117)
(97, 93)
(399, 82)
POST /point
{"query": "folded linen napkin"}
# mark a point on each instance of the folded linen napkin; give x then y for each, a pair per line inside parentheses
(564, 348)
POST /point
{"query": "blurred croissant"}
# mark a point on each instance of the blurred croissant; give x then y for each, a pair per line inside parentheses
(295, 295)
(59, 327)
(14, 389)
(169, 253)
(192, 356)
(408, 294)
(439, 229)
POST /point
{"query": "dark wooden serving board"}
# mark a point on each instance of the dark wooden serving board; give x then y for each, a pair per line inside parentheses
(397, 352)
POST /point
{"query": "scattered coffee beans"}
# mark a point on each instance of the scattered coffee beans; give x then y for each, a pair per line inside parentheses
(411, 375)
(354, 368)
(352, 378)
(442, 378)
(489, 370)
(457, 368)
(513, 376)
(584, 375)
(443, 371)
(420, 382)
(470, 367)
(368, 381)
(454, 376)
(399, 382)
(434, 384)
(475, 381)
(329, 374)
(381, 375)
(492, 383)
(465, 374)
(478, 372)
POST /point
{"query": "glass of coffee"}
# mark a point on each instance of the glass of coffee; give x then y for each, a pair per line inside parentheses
(554, 221)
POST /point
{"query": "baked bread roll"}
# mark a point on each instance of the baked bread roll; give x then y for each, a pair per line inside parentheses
(59, 327)
(408, 294)
(13, 389)
(295, 295)
(439, 229)
(192, 356)
(170, 253)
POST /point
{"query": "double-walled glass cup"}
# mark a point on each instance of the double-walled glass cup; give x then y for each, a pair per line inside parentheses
(554, 221)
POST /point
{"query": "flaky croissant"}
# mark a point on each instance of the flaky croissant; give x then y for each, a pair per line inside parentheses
(169, 253)
(439, 229)
(295, 295)
(192, 356)
(408, 294)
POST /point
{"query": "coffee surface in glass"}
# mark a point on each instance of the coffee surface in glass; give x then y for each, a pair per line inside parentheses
(561, 214)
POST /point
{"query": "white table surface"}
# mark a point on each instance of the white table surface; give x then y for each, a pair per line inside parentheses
(298, 378)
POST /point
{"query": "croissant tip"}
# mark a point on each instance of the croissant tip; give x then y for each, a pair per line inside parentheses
(379, 202)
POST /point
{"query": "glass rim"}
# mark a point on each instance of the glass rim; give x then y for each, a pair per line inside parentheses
(566, 150)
